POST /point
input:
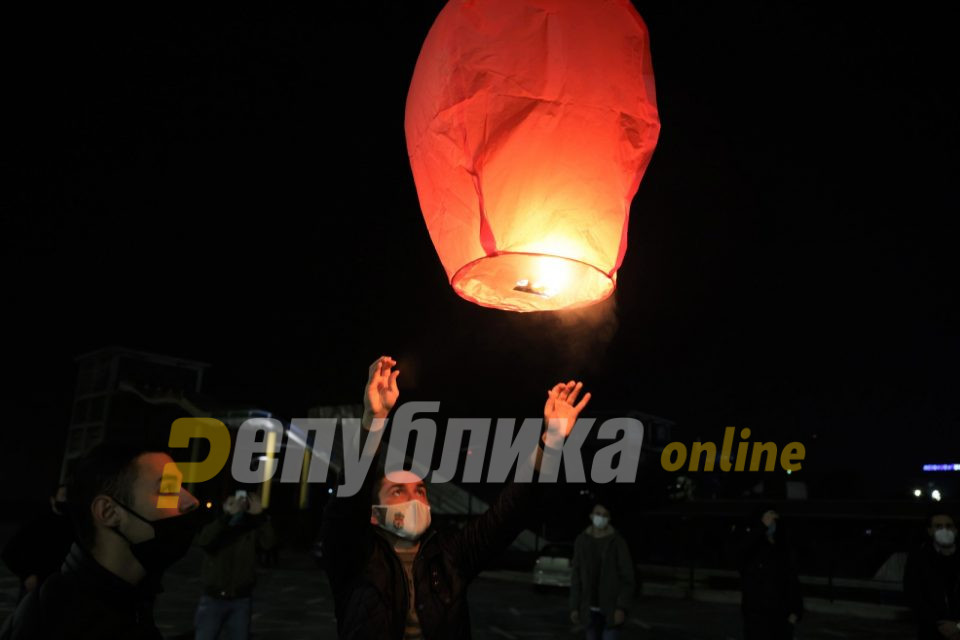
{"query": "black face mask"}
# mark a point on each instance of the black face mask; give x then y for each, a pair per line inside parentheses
(171, 541)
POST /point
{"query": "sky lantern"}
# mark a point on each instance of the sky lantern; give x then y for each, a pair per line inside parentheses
(529, 125)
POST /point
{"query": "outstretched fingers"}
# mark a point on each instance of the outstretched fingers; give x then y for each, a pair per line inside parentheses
(380, 368)
(583, 402)
(575, 392)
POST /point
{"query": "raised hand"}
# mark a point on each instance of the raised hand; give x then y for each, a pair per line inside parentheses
(231, 505)
(254, 505)
(381, 392)
(561, 408)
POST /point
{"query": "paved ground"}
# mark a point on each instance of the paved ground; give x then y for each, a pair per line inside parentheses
(293, 603)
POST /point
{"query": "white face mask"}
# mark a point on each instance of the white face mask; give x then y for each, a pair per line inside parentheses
(945, 537)
(405, 519)
(599, 521)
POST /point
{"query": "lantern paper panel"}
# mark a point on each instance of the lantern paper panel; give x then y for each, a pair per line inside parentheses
(529, 125)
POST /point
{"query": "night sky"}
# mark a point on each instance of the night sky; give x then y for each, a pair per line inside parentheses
(232, 186)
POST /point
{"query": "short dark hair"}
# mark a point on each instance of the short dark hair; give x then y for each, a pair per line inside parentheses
(108, 469)
(937, 510)
(379, 471)
(760, 509)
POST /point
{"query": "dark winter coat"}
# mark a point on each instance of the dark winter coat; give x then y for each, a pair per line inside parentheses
(39, 547)
(612, 574)
(367, 577)
(84, 601)
(230, 553)
(931, 582)
(769, 576)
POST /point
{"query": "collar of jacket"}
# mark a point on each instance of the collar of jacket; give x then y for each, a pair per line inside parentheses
(394, 579)
(94, 576)
(424, 550)
(610, 531)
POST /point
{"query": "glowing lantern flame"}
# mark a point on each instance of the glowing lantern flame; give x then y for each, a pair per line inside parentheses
(529, 125)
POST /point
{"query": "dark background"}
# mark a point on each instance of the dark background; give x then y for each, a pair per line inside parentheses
(231, 185)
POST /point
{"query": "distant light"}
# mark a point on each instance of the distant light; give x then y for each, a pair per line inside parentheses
(789, 472)
(265, 458)
(209, 505)
(935, 494)
(330, 490)
(917, 493)
(869, 532)
(953, 466)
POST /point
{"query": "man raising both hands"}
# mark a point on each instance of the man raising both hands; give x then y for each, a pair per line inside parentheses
(392, 575)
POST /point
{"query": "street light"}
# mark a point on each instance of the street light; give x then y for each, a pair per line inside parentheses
(917, 493)
(935, 494)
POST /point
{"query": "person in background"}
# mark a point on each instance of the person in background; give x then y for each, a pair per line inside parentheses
(125, 542)
(772, 604)
(230, 544)
(602, 580)
(38, 549)
(931, 579)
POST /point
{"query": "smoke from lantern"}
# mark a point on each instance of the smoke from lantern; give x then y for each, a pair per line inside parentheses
(573, 341)
(582, 335)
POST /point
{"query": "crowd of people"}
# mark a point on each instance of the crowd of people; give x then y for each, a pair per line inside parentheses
(96, 573)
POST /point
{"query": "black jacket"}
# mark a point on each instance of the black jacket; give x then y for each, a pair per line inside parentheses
(611, 574)
(39, 547)
(367, 577)
(931, 582)
(230, 553)
(768, 576)
(84, 601)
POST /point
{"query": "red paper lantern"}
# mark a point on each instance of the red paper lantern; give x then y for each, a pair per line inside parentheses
(529, 125)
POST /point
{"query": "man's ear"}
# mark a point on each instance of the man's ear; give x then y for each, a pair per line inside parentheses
(105, 511)
(373, 515)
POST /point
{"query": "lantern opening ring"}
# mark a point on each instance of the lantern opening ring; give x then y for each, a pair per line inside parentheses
(527, 281)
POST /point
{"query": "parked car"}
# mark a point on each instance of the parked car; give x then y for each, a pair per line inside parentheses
(552, 566)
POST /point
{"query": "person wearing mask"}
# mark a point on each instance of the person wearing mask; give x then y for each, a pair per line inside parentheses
(772, 604)
(230, 544)
(394, 576)
(125, 541)
(932, 579)
(37, 550)
(601, 580)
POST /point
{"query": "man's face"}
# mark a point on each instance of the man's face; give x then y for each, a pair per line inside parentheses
(600, 510)
(392, 492)
(942, 521)
(153, 481)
